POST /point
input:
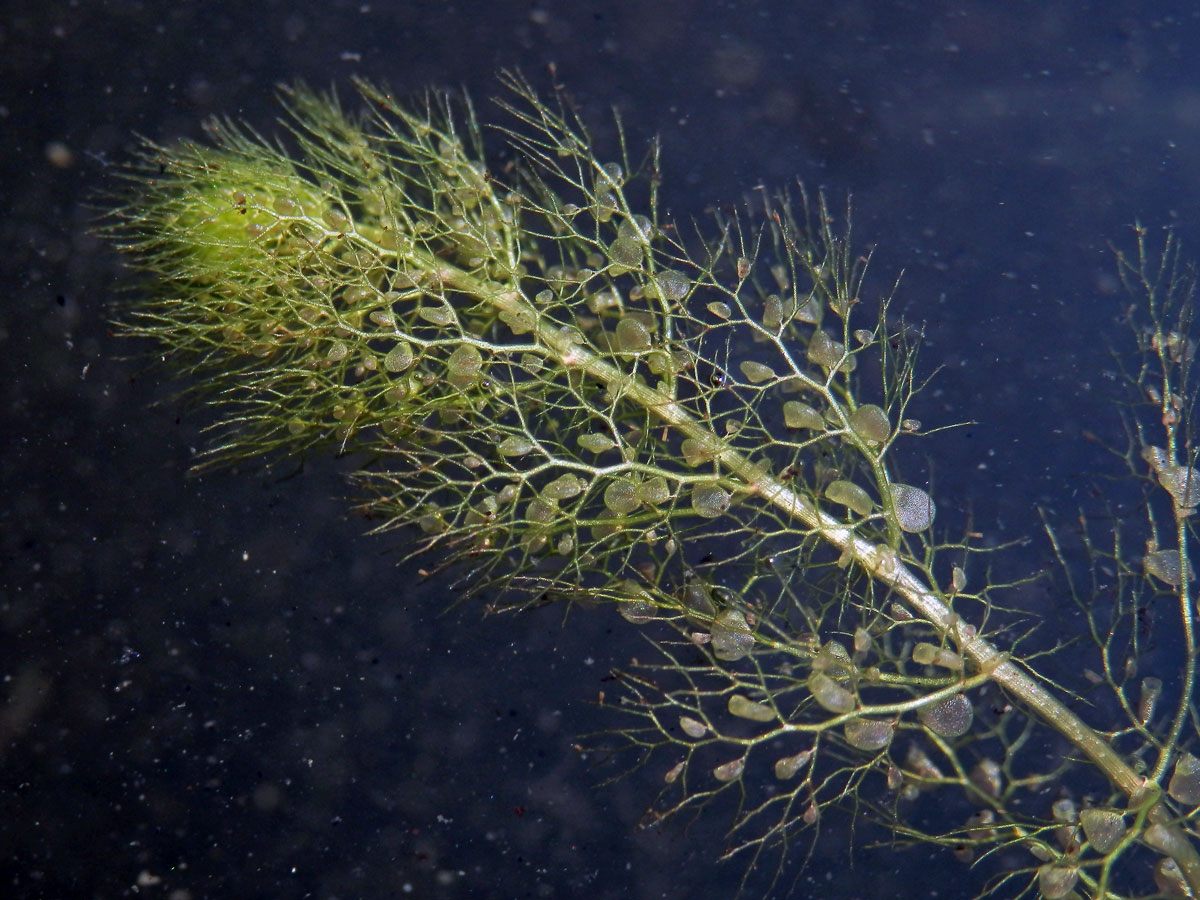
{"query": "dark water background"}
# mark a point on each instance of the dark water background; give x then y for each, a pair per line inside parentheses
(215, 687)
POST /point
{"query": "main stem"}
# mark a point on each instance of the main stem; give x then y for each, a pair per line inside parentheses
(879, 561)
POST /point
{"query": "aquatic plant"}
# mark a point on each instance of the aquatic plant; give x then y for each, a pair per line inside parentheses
(568, 398)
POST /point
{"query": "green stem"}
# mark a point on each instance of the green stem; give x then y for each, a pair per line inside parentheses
(880, 561)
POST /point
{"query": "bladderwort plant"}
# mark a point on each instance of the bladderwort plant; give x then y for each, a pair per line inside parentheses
(567, 398)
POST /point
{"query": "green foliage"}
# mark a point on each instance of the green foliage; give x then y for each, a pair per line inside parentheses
(565, 398)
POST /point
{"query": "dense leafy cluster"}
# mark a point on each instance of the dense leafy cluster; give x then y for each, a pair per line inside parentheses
(568, 399)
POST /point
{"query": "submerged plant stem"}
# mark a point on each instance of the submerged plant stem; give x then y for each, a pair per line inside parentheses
(565, 400)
